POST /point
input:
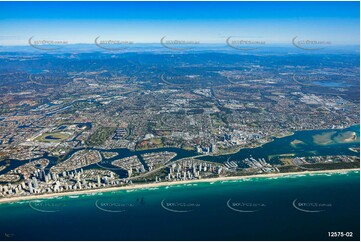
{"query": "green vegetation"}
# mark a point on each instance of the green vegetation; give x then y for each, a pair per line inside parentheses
(150, 144)
(108, 155)
(334, 166)
(217, 120)
(54, 137)
(187, 147)
(327, 166)
(100, 136)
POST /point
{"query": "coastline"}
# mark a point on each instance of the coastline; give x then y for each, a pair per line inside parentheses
(241, 148)
(163, 184)
(277, 137)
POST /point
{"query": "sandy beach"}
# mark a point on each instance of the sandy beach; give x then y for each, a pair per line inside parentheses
(161, 184)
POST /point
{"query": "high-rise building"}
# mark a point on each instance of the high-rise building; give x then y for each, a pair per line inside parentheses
(31, 189)
(99, 183)
(214, 148)
(35, 182)
(53, 176)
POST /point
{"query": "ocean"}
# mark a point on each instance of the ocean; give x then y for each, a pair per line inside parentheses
(294, 207)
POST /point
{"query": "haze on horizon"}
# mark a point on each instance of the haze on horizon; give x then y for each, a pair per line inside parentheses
(206, 22)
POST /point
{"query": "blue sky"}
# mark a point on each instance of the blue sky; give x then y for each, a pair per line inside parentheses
(207, 22)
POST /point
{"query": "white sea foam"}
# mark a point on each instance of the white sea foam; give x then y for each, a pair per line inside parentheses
(73, 196)
(151, 188)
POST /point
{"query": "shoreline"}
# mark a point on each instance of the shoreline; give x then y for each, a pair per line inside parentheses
(164, 184)
(277, 137)
(238, 149)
